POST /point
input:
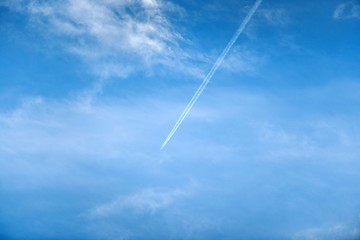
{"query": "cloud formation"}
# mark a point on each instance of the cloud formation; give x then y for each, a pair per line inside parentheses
(118, 128)
(277, 16)
(113, 35)
(335, 231)
(144, 201)
(106, 161)
(347, 10)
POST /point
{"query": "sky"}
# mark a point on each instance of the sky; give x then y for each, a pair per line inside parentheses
(90, 89)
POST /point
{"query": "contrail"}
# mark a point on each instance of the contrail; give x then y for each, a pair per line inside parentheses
(212, 71)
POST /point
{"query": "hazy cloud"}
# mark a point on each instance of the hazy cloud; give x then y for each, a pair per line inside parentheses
(244, 61)
(144, 201)
(347, 10)
(111, 129)
(337, 231)
(276, 16)
(109, 153)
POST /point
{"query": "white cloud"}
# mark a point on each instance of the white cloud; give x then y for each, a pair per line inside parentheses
(125, 129)
(70, 127)
(277, 16)
(347, 10)
(243, 60)
(42, 141)
(337, 231)
(120, 36)
(313, 138)
(145, 201)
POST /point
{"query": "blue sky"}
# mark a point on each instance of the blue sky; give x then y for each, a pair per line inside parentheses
(90, 89)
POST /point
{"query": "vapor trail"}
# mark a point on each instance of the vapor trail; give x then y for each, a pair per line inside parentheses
(212, 71)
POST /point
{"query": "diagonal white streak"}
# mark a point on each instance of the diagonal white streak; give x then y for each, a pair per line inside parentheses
(212, 71)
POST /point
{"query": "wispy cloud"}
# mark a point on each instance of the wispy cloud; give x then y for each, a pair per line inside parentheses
(112, 35)
(277, 16)
(243, 61)
(42, 126)
(336, 231)
(145, 201)
(109, 154)
(115, 129)
(347, 10)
